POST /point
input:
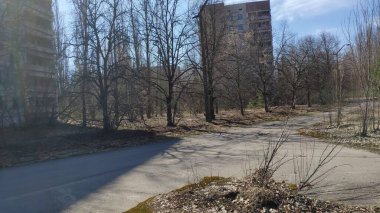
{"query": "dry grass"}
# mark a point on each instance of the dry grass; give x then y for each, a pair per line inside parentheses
(195, 124)
(215, 194)
(142, 207)
(315, 133)
(348, 132)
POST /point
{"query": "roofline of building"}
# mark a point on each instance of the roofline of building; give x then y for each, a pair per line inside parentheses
(247, 2)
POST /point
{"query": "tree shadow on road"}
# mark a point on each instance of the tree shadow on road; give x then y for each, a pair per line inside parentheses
(54, 186)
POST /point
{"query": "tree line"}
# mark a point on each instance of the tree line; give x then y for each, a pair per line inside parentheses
(122, 61)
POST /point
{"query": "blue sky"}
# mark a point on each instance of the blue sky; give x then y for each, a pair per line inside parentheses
(304, 17)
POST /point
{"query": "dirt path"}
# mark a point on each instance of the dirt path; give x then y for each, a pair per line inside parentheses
(118, 180)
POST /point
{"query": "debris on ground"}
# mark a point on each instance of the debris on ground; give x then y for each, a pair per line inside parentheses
(216, 194)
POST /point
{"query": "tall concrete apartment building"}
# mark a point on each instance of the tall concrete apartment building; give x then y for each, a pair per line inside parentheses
(27, 77)
(250, 17)
(254, 15)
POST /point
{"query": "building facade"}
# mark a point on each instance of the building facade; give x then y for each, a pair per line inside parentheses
(254, 20)
(249, 22)
(27, 75)
(250, 17)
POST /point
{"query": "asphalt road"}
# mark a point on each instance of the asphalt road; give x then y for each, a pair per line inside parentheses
(118, 180)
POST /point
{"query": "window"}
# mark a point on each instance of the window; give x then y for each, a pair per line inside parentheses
(264, 15)
(240, 17)
(241, 27)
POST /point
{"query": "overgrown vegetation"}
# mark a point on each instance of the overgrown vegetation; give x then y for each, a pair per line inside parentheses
(123, 70)
(348, 133)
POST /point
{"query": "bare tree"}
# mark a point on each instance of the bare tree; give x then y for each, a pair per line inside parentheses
(281, 41)
(361, 33)
(327, 47)
(212, 26)
(61, 49)
(147, 22)
(235, 71)
(260, 60)
(311, 76)
(293, 66)
(102, 20)
(82, 50)
(173, 40)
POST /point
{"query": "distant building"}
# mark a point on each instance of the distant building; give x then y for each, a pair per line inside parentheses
(250, 17)
(27, 77)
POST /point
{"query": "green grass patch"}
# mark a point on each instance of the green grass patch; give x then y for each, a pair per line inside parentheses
(371, 147)
(142, 207)
(330, 138)
(293, 187)
(202, 184)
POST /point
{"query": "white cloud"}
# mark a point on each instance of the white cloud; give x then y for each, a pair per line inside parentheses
(291, 9)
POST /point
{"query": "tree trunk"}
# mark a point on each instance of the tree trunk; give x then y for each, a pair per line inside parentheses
(373, 112)
(294, 99)
(309, 98)
(216, 106)
(266, 102)
(265, 97)
(378, 112)
(117, 102)
(84, 107)
(212, 109)
(169, 111)
(149, 110)
(208, 102)
(85, 64)
(106, 118)
(241, 105)
(207, 74)
(364, 131)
